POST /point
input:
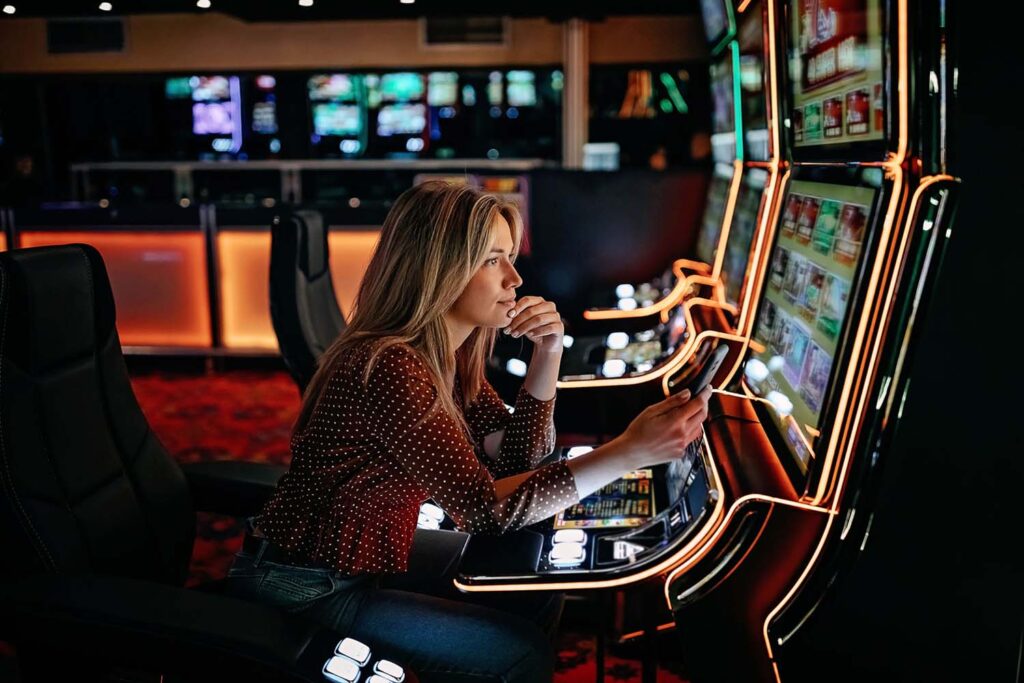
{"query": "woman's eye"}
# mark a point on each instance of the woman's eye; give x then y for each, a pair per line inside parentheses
(492, 261)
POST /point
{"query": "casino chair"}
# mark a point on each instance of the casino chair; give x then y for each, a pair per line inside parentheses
(97, 520)
(303, 307)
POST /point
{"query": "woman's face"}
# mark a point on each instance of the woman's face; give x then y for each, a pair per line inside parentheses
(491, 293)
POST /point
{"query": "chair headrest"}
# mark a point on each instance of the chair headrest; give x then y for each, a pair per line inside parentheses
(55, 305)
(313, 250)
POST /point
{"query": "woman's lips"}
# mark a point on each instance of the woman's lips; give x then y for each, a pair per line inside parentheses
(508, 302)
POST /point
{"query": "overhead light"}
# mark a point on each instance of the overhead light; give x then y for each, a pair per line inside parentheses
(305, 3)
(9, 9)
(106, 7)
(407, 2)
(203, 4)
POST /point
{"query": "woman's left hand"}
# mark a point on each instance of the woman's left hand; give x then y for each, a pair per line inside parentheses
(537, 320)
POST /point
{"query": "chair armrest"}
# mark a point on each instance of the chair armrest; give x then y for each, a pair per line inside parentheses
(231, 487)
(160, 628)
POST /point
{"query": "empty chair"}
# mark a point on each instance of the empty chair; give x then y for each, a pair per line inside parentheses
(96, 519)
(303, 306)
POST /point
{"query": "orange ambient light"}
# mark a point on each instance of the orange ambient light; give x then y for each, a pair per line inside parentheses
(243, 262)
(158, 279)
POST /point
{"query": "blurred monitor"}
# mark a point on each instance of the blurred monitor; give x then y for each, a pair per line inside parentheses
(495, 89)
(210, 88)
(401, 87)
(212, 118)
(331, 87)
(401, 119)
(716, 19)
(723, 109)
(442, 88)
(264, 118)
(522, 91)
(178, 88)
(331, 118)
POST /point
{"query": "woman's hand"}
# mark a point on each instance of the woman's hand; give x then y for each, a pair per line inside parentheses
(537, 320)
(663, 430)
(659, 434)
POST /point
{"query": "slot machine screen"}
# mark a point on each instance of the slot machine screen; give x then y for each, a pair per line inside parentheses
(264, 108)
(210, 88)
(332, 87)
(264, 118)
(810, 276)
(752, 83)
(342, 120)
(212, 118)
(216, 109)
(714, 213)
(835, 54)
(442, 88)
(627, 502)
(401, 119)
(723, 109)
(741, 233)
(716, 19)
(522, 91)
(401, 87)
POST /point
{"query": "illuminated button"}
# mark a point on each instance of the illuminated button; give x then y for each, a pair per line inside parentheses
(624, 550)
(781, 402)
(577, 451)
(378, 679)
(776, 363)
(354, 650)
(617, 340)
(390, 671)
(341, 670)
(756, 370)
(432, 511)
(625, 291)
(570, 536)
(567, 554)
(615, 367)
(627, 304)
(516, 367)
(567, 341)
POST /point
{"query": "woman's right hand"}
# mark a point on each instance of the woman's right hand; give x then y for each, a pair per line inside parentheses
(662, 431)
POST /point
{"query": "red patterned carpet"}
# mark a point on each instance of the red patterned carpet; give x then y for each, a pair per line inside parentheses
(248, 415)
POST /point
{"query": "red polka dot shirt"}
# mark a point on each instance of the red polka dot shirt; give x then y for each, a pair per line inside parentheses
(370, 455)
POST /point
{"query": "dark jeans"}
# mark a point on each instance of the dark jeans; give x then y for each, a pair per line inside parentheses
(421, 622)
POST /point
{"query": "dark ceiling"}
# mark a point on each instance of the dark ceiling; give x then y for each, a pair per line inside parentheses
(290, 10)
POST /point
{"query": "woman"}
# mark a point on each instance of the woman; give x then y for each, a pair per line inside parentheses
(399, 412)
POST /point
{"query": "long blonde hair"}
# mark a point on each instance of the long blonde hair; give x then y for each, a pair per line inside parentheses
(432, 242)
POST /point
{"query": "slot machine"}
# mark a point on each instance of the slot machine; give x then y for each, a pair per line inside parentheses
(638, 355)
(746, 532)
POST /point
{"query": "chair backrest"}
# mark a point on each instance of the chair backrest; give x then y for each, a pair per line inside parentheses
(303, 307)
(85, 486)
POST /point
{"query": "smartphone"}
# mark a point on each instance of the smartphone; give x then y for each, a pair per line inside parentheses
(706, 373)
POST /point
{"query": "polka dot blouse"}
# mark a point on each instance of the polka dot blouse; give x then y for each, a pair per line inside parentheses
(371, 455)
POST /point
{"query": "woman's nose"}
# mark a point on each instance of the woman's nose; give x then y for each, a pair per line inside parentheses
(512, 278)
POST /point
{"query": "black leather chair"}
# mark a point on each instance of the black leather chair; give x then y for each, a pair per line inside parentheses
(97, 520)
(303, 306)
